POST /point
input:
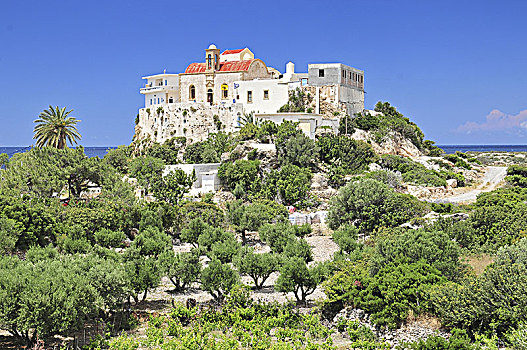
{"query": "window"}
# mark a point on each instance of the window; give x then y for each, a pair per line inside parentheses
(166, 82)
(150, 102)
(170, 100)
(303, 81)
(249, 97)
(321, 73)
(350, 76)
(266, 94)
(191, 92)
(209, 61)
(224, 91)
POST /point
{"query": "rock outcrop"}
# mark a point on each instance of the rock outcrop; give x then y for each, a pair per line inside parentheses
(394, 143)
(409, 332)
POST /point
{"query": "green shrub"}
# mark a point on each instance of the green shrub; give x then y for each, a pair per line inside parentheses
(109, 239)
(297, 277)
(218, 279)
(458, 161)
(411, 246)
(257, 266)
(494, 301)
(369, 204)
(289, 185)
(182, 269)
(244, 172)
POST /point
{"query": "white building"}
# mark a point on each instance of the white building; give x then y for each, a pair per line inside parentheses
(212, 95)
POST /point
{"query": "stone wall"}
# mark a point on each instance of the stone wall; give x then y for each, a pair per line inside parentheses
(327, 99)
(193, 120)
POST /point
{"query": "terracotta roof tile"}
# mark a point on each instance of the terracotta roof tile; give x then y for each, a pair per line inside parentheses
(230, 52)
(232, 66)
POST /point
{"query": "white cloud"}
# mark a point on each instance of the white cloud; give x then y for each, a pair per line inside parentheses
(497, 121)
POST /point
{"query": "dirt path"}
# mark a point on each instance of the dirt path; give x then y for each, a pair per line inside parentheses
(494, 175)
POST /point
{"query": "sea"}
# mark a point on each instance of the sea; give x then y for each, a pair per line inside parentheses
(449, 149)
(89, 151)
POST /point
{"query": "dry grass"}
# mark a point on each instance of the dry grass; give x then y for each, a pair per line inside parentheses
(479, 262)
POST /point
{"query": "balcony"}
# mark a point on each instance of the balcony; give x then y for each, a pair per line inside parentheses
(156, 88)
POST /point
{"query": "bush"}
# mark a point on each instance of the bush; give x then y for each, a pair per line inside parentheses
(458, 161)
(412, 172)
(388, 177)
(244, 172)
(298, 150)
(459, 340)
(277, 236)
(193, 231)
(224, 250)
(369, 204)
(211, 236)
(352, 156)
(494, 301)
(297, 277)
(182, 269)
(298, 248)
(109, 239)
(218, 279)
(518, 337)
(517, 176)
(257, 266)
(151, 242)
(397, 289)
(289, 185)
(411, 246)
(346, 238)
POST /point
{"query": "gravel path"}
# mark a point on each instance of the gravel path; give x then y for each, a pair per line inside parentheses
(494, 175)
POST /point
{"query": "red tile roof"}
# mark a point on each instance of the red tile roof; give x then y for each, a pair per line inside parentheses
(230, 52)
(232, 66)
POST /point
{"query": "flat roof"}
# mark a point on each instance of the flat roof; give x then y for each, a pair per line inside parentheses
(331, 65)
(160, 75)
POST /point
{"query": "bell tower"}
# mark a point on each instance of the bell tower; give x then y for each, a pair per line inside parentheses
(212, 58)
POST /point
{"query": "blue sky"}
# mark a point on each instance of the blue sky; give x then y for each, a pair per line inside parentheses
(456, 68)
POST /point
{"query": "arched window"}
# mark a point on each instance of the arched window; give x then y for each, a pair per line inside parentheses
(170, 100)
(191, 92)
(210, 96)
(209, 61)
(224, 91)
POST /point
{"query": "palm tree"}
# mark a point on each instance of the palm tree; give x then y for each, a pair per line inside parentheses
(54, 128)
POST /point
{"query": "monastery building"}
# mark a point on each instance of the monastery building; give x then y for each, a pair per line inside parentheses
(214, 94)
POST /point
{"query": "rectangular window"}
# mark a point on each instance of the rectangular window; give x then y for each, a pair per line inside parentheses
(166, 82)
(303, 81)
(249, 97)
(321, 73)
(150, 102)
(266, 94)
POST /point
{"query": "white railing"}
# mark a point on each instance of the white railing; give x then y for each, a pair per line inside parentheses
(157, 88)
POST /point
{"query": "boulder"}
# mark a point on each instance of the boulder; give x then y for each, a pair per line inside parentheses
(452, 183)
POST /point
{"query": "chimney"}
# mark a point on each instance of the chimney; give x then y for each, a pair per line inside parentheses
(290, 68)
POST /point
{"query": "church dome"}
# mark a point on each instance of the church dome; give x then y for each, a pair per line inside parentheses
(212, 47)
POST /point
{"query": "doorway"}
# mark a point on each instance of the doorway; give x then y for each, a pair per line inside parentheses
(209, 96)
